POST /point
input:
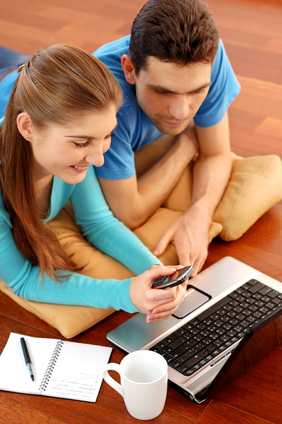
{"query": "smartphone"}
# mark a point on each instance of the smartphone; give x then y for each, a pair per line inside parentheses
(178, 277)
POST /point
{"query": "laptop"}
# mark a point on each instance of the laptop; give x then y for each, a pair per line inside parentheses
(225, 306)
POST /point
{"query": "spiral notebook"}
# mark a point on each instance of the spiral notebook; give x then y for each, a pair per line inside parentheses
(61, 369)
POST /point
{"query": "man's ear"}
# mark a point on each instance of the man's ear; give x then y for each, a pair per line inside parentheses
(128, 69)
(25, 125)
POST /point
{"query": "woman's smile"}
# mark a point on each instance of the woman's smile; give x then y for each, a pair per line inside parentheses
(79, 169)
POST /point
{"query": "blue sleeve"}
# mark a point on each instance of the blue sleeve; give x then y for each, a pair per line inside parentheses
(104, 231)
(223, 90)
(134, 131)
(6, 87)
(25, 279)
(119, 159)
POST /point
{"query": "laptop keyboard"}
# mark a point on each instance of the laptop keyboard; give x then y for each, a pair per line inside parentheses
(202, 339)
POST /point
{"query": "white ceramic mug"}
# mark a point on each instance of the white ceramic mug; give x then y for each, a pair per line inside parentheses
(143, 376)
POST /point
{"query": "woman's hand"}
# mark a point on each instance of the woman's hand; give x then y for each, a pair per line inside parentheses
(157, 304)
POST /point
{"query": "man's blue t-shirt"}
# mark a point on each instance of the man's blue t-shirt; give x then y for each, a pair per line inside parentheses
(135, 129)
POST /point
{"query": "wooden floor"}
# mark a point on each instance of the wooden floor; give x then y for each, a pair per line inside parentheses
(252, 34)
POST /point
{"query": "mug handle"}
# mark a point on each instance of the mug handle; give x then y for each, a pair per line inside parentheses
(110, 380)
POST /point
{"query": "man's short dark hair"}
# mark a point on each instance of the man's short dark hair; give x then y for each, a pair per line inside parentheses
(177, 31)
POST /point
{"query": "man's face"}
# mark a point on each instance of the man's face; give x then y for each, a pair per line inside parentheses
(171, 95)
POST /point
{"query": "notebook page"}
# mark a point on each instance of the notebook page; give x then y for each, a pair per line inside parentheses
(14, 374)
(78, 372)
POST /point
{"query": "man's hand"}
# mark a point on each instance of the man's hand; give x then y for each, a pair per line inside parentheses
(158, 304)
(190, 235)
(211, 172)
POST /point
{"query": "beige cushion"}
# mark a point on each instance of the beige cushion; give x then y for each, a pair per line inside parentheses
(255, 186)
(68, 320)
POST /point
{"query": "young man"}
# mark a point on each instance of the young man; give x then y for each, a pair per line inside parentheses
(173, 71)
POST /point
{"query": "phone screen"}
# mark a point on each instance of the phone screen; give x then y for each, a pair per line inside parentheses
(174, 279)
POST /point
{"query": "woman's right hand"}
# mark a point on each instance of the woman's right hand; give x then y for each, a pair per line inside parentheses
(157, 304)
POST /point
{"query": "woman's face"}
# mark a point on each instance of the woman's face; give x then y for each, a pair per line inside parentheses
(67, 151)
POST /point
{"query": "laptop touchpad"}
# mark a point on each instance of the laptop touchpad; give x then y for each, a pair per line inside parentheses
(193, 300)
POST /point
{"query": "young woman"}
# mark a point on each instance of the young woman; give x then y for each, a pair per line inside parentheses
(58, 124)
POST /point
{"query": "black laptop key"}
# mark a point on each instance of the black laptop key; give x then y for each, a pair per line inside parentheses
(193, 361)
(185, 356)
(259, 303)
(244, 323)
(257, 287)
(231, 333)
(250, 283)
(177, 342)
(247, 312)
(167, 349)
(234, 321)
(220, 331)
(265, 299)
(182, 368)
(265, 290)
(168, 359)
(238, 309)
(200, 346)
(270, 305)
(179, 351)
(251, 300)
(254, 308)
(170, 338)
(180, 332)
(230, 314)
(195, 321)
(155, 349)
(174, 364)
(205, 332)
(251, 319)
(201, 326)
(273, 293)
(217, 342)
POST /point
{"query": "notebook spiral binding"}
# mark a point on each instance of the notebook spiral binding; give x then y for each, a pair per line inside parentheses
(51, 365)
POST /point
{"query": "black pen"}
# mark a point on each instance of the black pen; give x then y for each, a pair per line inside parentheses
(27, 358)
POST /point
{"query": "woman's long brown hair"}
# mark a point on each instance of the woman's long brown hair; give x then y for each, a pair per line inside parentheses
(55, 86)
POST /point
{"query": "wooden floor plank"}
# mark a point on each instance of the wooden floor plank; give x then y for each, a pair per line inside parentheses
(255, 143)
(254, 396)
(12, 412)
(269, 368)
(11, 310)
(221, 413)
(271, 127)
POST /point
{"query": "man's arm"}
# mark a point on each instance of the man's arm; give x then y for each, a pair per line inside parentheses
(210, 176)
(134, 200)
